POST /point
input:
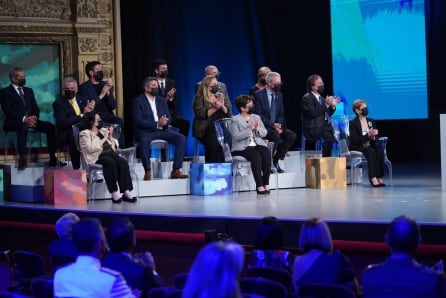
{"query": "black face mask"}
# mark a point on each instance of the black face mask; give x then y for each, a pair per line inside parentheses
(320, 89)
(251, 110)
(154, 91)
(262, 82)
(214, 89)
(276, 87)
(21, 83)
(364, 111)
(98, 76)
(70, 94)
(100, 124)
(163, 74)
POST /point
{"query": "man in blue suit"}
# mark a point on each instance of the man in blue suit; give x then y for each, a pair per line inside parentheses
(151, 120)
(268, 104)
(138, 269)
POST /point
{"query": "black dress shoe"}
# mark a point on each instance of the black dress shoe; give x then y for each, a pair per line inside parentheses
(279, 169)
(129, 200)
(55, 163)
(262, 192)
(118, 201)
(22, 164)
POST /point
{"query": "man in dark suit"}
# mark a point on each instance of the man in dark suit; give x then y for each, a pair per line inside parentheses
(151, 121)
(138, 269)
(401, 275)
(268, 104)
(212, 70)
(316, 112)
(22, 113)
(102, 93)
(68, 110)
(168, 90)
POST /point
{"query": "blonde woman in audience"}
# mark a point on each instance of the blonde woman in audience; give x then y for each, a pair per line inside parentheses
(320, 263)
(215, 271)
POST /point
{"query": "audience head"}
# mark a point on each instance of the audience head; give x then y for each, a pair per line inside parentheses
(360, 107)
(88, 237)
(17, 76)
(215, 271)
(315, 234)
(273, 81)
(261, 74)
(315, 84)
(121, 235)
(212, 70)
(89, 120)
(150, 86)
(403, 235)
(93, 69)
(160, 68)
(64, 225)
(244, 101)
(269, 234)
(69, 87)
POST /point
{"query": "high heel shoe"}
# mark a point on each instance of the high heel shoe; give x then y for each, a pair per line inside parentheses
(374, 185)
(118, 201)
(129, 200)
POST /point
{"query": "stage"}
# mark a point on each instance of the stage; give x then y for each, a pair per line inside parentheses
(359, 212)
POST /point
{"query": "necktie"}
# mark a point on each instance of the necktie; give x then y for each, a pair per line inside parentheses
(76, 109)
(272, 108)
(22, 96)
(321, 100)
(163, 89)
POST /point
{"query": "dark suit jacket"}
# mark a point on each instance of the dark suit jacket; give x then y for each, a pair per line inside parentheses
(14, 109)
(136, 275)
(65, 117)
(313, 116)
(357, 140)
(402, 278)
(169, 84)
(62, 252)
(261, 108)
(106, 105)
(143, 118)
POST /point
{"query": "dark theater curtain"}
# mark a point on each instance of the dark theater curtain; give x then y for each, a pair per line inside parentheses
(291, 37)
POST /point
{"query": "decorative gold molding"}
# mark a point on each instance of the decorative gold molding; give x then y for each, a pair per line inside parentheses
(49, 9)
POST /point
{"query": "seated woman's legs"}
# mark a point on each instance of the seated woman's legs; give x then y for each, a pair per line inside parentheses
(266, 165)
(213, 151)
(376, 171)
(124, 178)
(110, 171)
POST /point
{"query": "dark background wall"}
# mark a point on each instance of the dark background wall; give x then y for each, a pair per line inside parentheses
(291, 37)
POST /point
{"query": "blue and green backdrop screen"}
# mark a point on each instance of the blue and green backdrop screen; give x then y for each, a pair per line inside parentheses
(379, 54)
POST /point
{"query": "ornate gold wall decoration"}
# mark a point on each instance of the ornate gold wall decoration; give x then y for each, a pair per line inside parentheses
(52, 9)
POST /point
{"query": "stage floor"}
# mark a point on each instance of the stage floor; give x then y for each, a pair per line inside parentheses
(416, 191)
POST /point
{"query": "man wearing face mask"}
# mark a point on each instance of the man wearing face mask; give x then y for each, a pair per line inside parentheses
(212, 70)
(68, 110)
(151, 120)
(101, 91)
(22, 113)
(268, 104)
(168, 90)
(316, 111)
